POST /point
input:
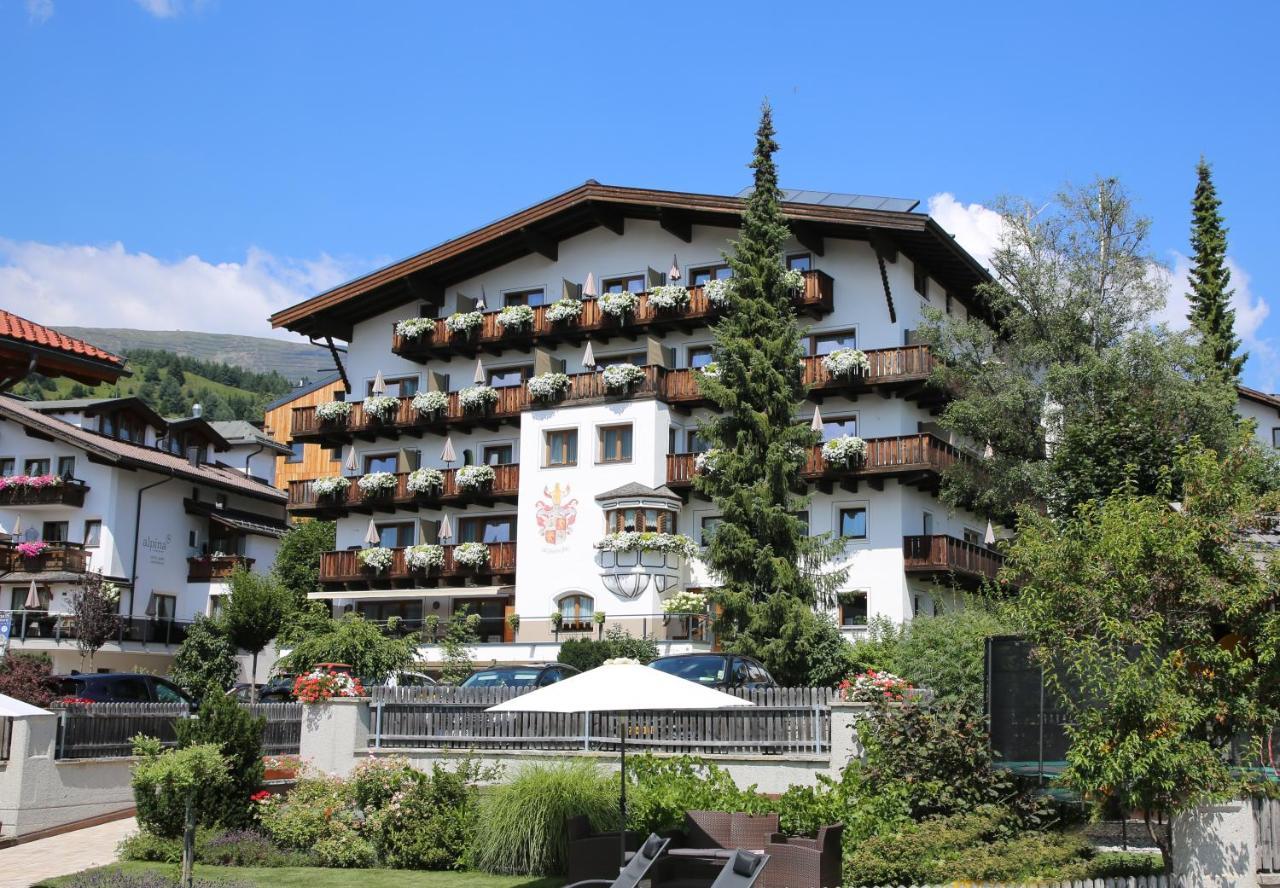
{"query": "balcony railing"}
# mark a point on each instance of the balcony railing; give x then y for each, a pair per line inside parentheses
(907, 366)
(63, 557)
(206, 568)
(817, 299)
(344, 567)
(303, 499)
(41, 626)
(938, 554)
(67, 493)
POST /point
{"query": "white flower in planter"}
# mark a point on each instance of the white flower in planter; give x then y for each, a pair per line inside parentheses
(669, 297)
(464, 323)
(793, 280)
(620, 377)
(333, 411)
(376, 483)
(430, 403)
(415, 328)
(564, 310)
(477, 398)
(475, 477)
(711, 371)
(548, 386)
(423, 556)
(330, 486)
(707, 462)
(381, 407)
(685, 603)
(619, 305)
(843, 451)
(647, 541)
(471, 554)
(425, 481)
(378, 558)
(718, 292)
(515, 317)
(846, 362)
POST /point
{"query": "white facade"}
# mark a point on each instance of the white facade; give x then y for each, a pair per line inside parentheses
(1264, 410)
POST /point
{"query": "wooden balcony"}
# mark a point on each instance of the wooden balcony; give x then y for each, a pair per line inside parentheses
(56, 557)
(304, 501)
(939, 555)
(66, 493)
(344, 570)
(817, 299)
(903, 371)
(917, 460)
(212, 568)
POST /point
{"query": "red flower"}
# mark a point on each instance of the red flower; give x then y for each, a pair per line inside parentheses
(260, 796)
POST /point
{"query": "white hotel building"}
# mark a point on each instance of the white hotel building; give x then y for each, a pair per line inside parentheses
(568, 470)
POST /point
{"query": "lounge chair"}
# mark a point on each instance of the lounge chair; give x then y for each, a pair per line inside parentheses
(800, 861)
(594, 855)
(742, 871)
(636, 869)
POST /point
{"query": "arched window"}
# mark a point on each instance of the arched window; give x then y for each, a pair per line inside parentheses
(577, 610)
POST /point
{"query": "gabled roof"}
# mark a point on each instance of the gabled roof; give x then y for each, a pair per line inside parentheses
(26, 346)
(127, 455)
(296, 393)
(202, 428)
(541, 227)
(238, 432)
(98, 406)
(636, 489)
(1258, 397)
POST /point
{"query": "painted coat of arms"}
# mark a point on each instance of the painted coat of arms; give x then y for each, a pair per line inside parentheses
(556, 514)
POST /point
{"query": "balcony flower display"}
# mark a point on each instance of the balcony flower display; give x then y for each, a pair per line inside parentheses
(564, 310)
(381, 407)
(322, 685)
(332, 486)
(475, 477)
(430, 403)
(718, 292)
(377, 558)
(516, 317)
(685, 603)
(32, 548)
(334, 411)
(706, 462)
(648, 541)
(29, 482)
(846, 362)
(471, 554)
(548, 386)
(619, 305)
(424, 556)
(793, 280)
(711, 371)
(872, 686)
(415, 328)
(843, 451)
(464, 323)
(669, 298)
(477, 398)
(425, 481)
(621, 377)
(376, 483)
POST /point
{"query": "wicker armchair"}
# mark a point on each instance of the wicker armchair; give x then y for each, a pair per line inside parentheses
(712, 830)
(594, 855)
(799, 861)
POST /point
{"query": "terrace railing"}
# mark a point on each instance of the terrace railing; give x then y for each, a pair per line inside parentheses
(40, 625)
(204, 568)
(345, 566)
(60, 556)
(939, 553)
(67, 493)
(304, 499)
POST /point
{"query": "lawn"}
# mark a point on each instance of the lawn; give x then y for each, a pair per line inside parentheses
(313, 877)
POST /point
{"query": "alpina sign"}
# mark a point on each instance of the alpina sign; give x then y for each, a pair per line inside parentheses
(156, 547)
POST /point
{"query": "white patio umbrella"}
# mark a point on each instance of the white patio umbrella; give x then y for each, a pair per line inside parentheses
(379, 386)
(371, 536)
(816, 425)
(589, 288)
(33, 598)
(479, 377)
(17, 526)
(674, 273)
(621, 687)
(351, 466)
(446, 529)
(447, 455)
(11, 707)
(990, 538)
(589, 357)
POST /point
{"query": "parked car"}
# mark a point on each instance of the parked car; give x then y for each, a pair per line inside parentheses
(408, 680)
(720, 671)
(536, 675)
(120, 687)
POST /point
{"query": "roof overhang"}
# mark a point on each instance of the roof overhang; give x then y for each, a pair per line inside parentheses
(1272, 401)
(19, 357)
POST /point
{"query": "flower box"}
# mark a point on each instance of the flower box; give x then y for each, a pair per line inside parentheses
(377, 559)
(430, 404)
(477, 398)
(846, 362)
(381, 407)
(563, 310)
(718, 292)
(424, 556)
(475, 477)
(376, 484)
(548, 386)
(464, 323)
(471, 554)
(415, 328)
(622, 377)
(669, 298)
(619, 305)
(333, 411)
(330, 487)
(515, 317)
(844, 451)
(424, 482)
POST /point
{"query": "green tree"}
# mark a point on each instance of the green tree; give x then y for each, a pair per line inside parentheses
(77, 391)
(168, 781)
(151, 374)
(1157, 627)
(170, 399)
(205, 664)
(459, 635)
(761, 551)
(297, 564)
(352, 640)
(96, 611)
(255, 611)
(237, 735)
(1211, 315)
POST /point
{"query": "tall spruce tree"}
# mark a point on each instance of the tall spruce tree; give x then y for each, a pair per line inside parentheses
(769, 570)
(1211, 315)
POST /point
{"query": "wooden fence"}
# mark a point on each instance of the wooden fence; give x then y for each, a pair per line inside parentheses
(106, 730)
(782, 720)
(282, 734)
(1266, 815)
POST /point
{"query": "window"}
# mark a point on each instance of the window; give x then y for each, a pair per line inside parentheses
(826, 343)
(487, 529)
(162, 607)
(921, 280)
(530, 298)
(614, 444)
(701, 275)
(973, 536)
(499, 454)
(66, 467)
(8, 464)
(839, 425)
(397, 387)
(803, 518)
(335, 453)
(93, 533)
(220, 500)
(561, 448)
(395, 536)
(853, 523)
(800, 262)
(699, 356)
(507, 377)
(380, 462)
(926, 524)
(632, 282)
(853, 609)
(18, 598)
(167, 693)
(54, 531)
(697, 443)
(1275, 442)
(634, 519)
(35, 467)
(576, 611)
(295, 452)
(709, 525)
(640, 359)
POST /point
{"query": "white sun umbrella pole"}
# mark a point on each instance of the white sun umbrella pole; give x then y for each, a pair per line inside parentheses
(447, 456)
(379, 386)
(816, 425)
(371, 536)
(479, 376)
(589, 357)
(621, 686)
(445, 532)
(589, 288)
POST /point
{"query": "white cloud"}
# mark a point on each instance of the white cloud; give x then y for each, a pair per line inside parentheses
(976, 227)
(107, 286)
(161, 8)
(39, 11)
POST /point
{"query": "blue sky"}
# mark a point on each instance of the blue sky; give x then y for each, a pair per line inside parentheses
(181, 163)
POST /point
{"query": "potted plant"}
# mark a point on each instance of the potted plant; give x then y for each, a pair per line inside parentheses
(333, 411)
(718, 292)
(599, 618)
(424, 557)
(846, 451)
(557, 620)
(376, 484)
(793, 281)
(471, 554)
(619, 305)
(381, 407)
(472, 478)
(477, 398)
(415, 328)
(431, 627)
(563, 311)
(547, 387)
(515, 317)
(622, 377)
(430, 404)
(31, 552)
(376, 558)
(846, 362)
(425, 482)
(513, 620)
(331, 487)
(464, 323)
(669, 298)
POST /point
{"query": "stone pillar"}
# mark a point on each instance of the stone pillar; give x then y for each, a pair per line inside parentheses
(1215, 846)
(25, 778)
(335, 734)
(845, 746)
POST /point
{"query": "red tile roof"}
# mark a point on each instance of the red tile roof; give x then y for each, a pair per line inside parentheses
(22, 330)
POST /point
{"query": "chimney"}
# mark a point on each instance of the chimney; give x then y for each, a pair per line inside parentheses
(196, 410)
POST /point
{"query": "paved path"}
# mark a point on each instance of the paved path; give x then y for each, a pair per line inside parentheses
(24, 865)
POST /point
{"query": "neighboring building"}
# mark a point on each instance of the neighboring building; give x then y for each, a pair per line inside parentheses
(302, 461)
(27, 347)
(261, 452)
(164, 510)
(1263, 409)
(594, 460)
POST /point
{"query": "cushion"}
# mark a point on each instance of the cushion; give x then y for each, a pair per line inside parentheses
(745, 863)
(651, 847)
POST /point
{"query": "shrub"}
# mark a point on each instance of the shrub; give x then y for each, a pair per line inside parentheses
(376, 781)
(205, 664)
(242, 847)
(660, 790)
(147, 846)
(316, 808)
(27, 677)
(345, 850)
(588, 653)
(430, 824)
(522, 829)
(238, 737)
